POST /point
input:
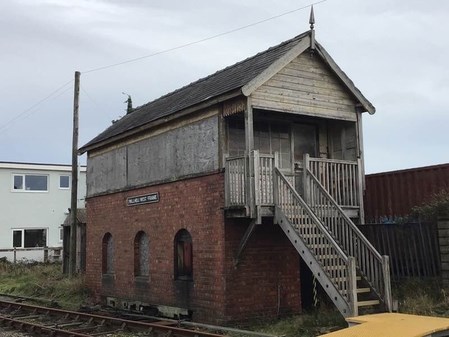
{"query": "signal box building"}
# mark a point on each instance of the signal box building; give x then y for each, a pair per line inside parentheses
(203, 202)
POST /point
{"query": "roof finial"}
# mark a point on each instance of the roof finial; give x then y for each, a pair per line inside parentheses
(312, 31)
(312, 18)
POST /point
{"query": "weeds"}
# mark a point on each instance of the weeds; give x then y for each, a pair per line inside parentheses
(415, 296)
(308, 324)
(42, 280)
(422, 297)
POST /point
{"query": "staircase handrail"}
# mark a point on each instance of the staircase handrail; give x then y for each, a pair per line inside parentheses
(312, 215)
(377, 277)
(345, 217)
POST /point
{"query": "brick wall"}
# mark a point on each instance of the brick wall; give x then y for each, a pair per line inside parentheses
(267, 280)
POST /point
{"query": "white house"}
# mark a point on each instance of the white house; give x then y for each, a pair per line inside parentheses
(35, 200)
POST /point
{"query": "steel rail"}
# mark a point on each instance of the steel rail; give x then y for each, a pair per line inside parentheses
(95, 321)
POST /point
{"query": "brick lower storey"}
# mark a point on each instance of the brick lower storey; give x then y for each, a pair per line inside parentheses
(264, 283)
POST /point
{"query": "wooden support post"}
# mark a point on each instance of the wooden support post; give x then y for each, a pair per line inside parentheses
(305, 167)
(45, 254)
(249, 145)
(352, 278)
(360, 179)
(256, 186)
(15, 255)
(275, 180)
(388, 299)
(74, 195)
(249, 231)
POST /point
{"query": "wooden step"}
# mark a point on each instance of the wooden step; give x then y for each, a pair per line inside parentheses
(326, 257)
(335, 267)
(342, 279)
(363, 290)
(368, 303)
(319, 245)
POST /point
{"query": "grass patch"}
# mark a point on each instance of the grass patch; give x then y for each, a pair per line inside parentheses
(45, 280)
(308, 324)
(42, 280)
(422, 297)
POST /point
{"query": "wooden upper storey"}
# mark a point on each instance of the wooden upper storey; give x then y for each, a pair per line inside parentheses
(244, 77)
(184, 133)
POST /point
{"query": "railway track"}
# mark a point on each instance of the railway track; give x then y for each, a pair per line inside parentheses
(45, 321)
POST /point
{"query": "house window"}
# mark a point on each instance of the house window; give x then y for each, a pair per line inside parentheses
(236, 137)
(28, 238)
(269, 137)
(108, 254)
(141, 255)
(64, 182)
(30, 182)
(183, 256)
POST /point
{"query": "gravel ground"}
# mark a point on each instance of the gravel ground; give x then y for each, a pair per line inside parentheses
(11, 333)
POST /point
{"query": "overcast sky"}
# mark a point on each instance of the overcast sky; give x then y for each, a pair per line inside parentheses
(395, 51)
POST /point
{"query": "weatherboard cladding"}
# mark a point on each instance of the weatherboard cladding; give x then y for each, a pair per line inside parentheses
(219, 83)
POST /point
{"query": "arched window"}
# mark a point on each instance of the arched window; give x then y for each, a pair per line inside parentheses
(108, 254)
(183, 255)
(141, 254)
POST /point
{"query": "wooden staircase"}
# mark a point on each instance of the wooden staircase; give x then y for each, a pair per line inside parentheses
(350, 270)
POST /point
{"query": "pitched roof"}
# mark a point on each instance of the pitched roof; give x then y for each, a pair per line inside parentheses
(81, 216)
(222, 82)
(219, 83)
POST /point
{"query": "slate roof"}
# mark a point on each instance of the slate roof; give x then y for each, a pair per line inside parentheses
(219, 83)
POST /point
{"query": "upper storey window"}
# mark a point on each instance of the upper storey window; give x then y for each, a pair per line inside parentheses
(30, 182)
(64, 182)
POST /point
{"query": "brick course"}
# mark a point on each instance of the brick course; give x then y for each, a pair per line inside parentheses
(265, 283)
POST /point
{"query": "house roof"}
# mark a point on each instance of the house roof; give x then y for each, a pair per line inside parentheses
(213, 86)
(81, 216)
(38, 166)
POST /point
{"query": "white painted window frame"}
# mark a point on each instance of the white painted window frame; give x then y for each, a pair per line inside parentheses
(70, 183)
(23, 175)
(23, 229)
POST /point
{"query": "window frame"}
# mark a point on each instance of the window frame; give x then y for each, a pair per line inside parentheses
(107, 254)
(183, 239)
(23, 189)
(139, 259)
(22, 230)
(69, 185)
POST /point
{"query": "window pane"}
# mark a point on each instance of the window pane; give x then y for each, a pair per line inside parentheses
(35, 183)
(17, 238)
(305, 139)
(143, 255)
(64, 181)
(18, 182)
(183, 251)
(236, 137)
(110, 256)
(35, 238)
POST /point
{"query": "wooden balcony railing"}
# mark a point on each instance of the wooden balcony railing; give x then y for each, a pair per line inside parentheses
(340, 178)
(236, 173)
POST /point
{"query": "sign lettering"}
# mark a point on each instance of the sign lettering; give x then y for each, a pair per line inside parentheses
(143, 199)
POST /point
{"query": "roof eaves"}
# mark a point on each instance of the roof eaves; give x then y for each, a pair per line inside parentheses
(160, 120)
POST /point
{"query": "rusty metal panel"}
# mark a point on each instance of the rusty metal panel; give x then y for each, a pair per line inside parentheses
(391, 195)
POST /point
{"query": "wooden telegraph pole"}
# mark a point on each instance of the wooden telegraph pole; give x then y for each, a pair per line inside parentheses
(74, 196)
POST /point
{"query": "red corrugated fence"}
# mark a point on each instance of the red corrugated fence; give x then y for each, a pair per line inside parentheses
(392, 195)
